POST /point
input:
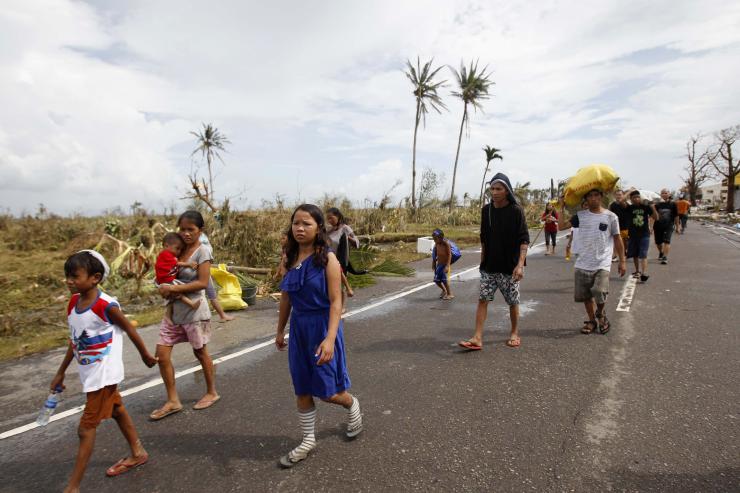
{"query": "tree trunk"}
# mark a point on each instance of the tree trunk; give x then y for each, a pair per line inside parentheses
(413, 158)
(210, 178)
(457, 155)
(731, 172)
(483, 183)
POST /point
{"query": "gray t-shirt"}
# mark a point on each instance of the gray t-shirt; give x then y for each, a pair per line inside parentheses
(595, 239)
(182, 313)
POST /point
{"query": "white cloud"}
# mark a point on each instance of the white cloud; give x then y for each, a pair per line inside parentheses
(98, 98)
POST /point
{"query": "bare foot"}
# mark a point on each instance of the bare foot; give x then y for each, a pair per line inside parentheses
(227, 318)
(350, 293)
(72, 489)
(449, 297)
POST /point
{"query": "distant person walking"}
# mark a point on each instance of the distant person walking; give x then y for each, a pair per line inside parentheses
(188, 325)
(642, 217)
(599, 237)
(683, 207)
(311, 299)
(211, 292)
(620, 207)
(664, 226)
(441, 263)
(504, 241)
(341, 237)
(550, 220)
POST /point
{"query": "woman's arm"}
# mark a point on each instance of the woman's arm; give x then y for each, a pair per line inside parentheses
(351, 236)
(325, 351)
(204, 274)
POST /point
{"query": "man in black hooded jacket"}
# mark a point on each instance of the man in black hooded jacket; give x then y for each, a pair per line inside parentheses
(504, 241)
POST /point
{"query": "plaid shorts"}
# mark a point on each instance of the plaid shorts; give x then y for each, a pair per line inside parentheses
(489, 283)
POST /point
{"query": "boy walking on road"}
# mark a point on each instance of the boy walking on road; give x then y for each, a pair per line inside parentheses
(95, 323)
(441, 263)
(504, 239)
(642, 217)
(667, 221)
(598, 231)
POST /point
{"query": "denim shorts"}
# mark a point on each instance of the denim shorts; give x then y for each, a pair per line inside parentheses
(638, 246)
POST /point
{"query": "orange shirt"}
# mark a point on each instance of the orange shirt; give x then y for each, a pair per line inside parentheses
(683, 206)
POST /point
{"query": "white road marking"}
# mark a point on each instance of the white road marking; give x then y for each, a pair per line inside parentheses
(628, 292)
(158, 381)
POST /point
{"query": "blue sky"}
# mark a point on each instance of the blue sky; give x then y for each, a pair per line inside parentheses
(99, 97)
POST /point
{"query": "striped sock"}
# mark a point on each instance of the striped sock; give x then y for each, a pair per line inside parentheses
(308, 426)
(354, 419)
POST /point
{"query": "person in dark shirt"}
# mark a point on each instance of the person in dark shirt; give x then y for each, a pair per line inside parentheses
(642, 216)
(667, 221)
(504, 241)
(619, 207)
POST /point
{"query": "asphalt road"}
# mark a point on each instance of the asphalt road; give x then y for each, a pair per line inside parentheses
(652, 406)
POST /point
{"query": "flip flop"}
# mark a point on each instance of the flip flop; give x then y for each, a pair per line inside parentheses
(160, 414)
(469, 346)
(120, 467)
(200, 405)
(515, 343)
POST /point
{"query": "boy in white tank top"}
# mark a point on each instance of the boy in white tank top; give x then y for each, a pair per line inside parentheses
(96, 324)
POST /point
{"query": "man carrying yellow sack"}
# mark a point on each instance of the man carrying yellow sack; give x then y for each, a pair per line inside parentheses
(599, 237)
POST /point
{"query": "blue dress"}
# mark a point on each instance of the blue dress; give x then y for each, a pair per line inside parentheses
(309, 323)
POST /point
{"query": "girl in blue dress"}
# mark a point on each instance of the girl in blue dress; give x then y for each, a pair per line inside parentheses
(311, 297)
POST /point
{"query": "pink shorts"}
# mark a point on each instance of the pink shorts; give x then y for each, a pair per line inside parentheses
(197, 333)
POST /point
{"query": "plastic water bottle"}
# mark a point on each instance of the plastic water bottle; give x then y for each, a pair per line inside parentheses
(50, 405)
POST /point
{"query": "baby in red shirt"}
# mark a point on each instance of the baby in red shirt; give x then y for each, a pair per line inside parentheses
(167, 266)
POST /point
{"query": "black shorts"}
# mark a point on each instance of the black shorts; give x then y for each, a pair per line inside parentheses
(663, 233)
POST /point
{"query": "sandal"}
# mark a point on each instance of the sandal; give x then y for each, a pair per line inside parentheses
(163, 413)
(636, 274)
(589, 326)
(121, 467)
(603, 322)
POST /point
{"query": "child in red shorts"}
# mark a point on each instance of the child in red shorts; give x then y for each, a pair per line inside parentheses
(95, 324)
(167, 266)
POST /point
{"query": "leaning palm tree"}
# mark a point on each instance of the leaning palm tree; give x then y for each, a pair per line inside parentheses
(473, 87)
(210, 141)
(425, 91)
(491, 154)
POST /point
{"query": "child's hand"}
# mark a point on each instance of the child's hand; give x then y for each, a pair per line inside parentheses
(57, 381)
(325, 351)
(149, 360)
(280, 343)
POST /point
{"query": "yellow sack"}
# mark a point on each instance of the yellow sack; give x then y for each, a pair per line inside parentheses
(587, 178)
(230, 294)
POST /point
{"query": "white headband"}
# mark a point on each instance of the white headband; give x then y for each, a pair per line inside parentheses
(106, 269)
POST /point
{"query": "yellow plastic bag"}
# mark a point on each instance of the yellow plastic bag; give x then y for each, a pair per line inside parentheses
(230, 294)
(587, 178)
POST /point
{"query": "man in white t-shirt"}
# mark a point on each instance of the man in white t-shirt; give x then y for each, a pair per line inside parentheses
(598, 239)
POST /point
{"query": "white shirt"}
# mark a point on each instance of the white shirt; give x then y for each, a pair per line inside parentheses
(98, 344)
(596, 233)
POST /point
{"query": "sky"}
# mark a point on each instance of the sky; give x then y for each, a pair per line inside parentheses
(99, 98)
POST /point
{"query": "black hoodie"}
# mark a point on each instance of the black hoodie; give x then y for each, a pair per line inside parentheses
(502, 232)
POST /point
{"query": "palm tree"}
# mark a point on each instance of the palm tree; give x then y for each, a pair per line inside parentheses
(522, 192)
(425, 91)
(210, 141)
(473, 88)
(491, 154)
